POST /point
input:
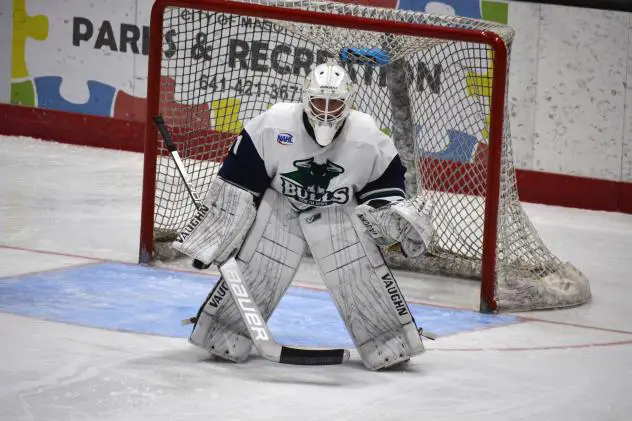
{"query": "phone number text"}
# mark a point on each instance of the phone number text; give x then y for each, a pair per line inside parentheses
(242, 86)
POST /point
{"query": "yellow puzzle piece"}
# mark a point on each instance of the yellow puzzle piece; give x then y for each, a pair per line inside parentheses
(24, 26)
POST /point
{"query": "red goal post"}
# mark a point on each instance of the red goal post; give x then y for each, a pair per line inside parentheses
(433, 30)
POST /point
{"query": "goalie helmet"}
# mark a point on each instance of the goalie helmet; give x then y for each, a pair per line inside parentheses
(327, 98)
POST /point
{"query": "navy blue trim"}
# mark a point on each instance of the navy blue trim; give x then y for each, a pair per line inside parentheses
(390, 194)
(390, 183)
(245, 167)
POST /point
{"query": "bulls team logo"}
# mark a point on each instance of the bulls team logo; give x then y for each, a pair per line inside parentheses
(309, 184)
(285, 138)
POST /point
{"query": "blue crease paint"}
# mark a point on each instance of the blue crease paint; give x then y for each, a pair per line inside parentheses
(149, 300)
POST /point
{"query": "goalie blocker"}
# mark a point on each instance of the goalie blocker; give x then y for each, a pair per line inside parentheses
(352, 267)
(220, 225)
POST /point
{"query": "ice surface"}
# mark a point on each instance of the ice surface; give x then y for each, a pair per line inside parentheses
(63, 206)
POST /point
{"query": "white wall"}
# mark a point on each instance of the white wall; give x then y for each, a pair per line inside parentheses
(568, 90)
(524, 18)
(626, 160)
(569, 93)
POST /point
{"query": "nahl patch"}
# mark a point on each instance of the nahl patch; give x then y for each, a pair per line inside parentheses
(285, 138)
(201, 214)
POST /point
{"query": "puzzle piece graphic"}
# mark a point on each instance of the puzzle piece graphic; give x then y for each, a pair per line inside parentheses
(24, 26)
(459, 176)
(495, 11)
(481, 85)
(460, 148)
(390, 4)
(128, 107)
(466, 8)
(23, 93)
(481, 155)
(211, 143)
(225, 112)
(49, 96)
(226, 115)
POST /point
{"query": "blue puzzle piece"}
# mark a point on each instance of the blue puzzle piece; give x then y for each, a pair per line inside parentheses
(465, 8)
(460, 148)
(99, 103)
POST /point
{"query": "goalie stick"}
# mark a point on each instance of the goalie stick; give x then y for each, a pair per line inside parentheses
(250, 313)
(173, 151)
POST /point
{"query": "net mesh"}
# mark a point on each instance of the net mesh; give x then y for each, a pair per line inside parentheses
(433, 96)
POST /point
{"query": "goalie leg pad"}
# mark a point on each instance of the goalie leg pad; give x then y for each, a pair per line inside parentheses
(207, 333)
(362, 287)
(220, 225)
(268, 259)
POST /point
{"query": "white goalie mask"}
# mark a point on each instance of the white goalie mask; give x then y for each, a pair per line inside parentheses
(327, 98)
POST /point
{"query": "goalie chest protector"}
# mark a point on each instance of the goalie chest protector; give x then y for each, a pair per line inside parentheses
(310, 175)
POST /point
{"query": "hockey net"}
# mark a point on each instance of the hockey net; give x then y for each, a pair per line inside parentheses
(436, 84)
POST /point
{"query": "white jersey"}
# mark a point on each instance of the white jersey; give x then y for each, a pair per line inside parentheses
(277, 150)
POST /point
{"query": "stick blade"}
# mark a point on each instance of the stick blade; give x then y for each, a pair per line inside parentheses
(300, 356)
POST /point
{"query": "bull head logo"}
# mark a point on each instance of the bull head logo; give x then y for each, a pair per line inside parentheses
(314, 177)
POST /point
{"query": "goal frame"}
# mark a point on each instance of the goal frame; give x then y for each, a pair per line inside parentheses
(497, 108)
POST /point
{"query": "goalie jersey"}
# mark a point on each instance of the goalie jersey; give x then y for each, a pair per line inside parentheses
(277, 150)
